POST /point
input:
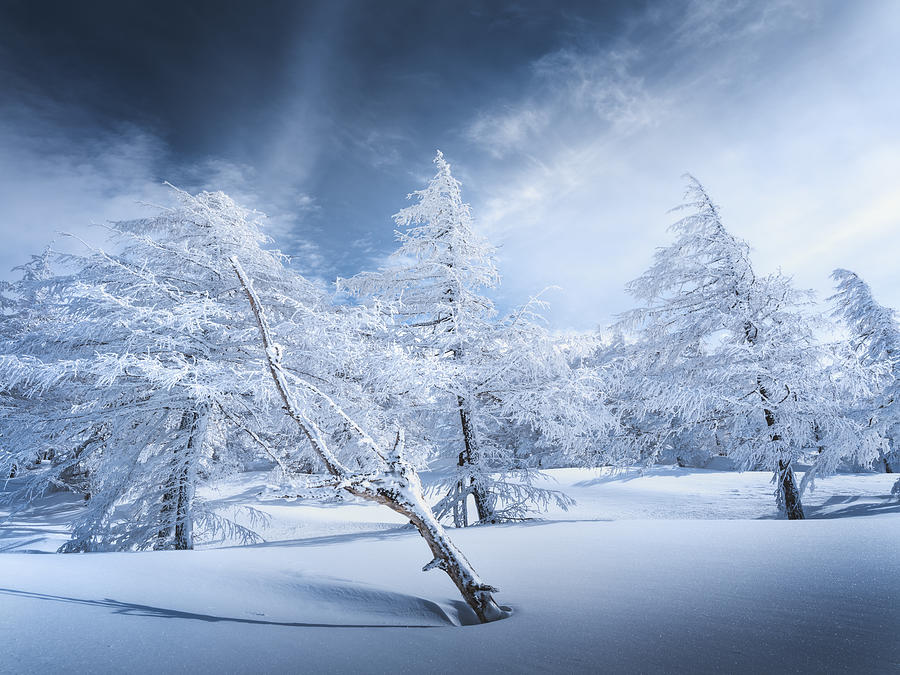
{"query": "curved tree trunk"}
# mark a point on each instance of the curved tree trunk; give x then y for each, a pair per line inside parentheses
(403, 493)
(397, 485)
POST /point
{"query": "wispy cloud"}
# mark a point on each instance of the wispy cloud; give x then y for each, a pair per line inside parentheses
(568, 88)
(45, 188)
(602, 83)
(509, 128)
(785, 113)
(704, 23)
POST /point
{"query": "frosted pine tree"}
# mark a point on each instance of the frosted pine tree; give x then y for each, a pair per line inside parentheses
(875, 337)
(734, 354)
(138, 378)
(647, 402)
(535, 407)
(432, 292)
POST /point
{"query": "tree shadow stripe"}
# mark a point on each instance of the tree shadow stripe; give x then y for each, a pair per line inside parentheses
(135, 609)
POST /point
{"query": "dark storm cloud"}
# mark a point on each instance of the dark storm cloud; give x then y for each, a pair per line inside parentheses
(317, 110)
(188, 72)
(195, 72)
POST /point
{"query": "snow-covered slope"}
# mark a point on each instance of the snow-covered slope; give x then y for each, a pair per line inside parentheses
(625, 582)
(674, 493)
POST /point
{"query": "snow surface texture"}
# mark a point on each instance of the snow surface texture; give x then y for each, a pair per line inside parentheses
(632, 579)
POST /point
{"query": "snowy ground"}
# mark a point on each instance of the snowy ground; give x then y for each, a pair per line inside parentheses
(673, 570)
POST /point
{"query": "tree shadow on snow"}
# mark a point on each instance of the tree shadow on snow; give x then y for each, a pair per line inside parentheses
(392, 532)
(627, 474)
(851, 509)
(135, 609)
(19, 546)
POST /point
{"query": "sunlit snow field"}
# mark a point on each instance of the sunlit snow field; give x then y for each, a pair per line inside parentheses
(678, 570)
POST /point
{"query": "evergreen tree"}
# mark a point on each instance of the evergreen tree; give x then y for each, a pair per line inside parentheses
(487, 376)
(732, 355)
(432, 291)
(136, 373)
(875, 337)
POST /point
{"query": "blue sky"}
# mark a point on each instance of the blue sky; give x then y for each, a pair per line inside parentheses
(569, 124)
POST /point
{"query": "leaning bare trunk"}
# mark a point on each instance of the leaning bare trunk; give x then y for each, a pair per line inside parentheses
(396, 485)
(404, 494)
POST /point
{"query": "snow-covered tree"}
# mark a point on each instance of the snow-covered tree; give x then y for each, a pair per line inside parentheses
(875, 337)
(731, 357)
(533, 407)
(139, 378)
(486, 375)
(432, 290)
(649, 428)
(21, 314)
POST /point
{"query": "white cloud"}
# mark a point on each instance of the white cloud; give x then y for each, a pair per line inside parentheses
(568, 89)
(44, 190)
(710, 22)
(48, 186)
(507, 129)
(604, 84)
(789, 119)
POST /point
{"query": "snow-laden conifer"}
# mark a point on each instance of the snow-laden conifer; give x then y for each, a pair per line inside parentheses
(137, 380)
(730, 360)
(875, 337)
(488, 376)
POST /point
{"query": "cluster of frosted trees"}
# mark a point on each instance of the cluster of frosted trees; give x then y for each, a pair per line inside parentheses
(191, 349)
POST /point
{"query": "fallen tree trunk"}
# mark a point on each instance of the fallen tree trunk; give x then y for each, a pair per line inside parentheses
(396, 484)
